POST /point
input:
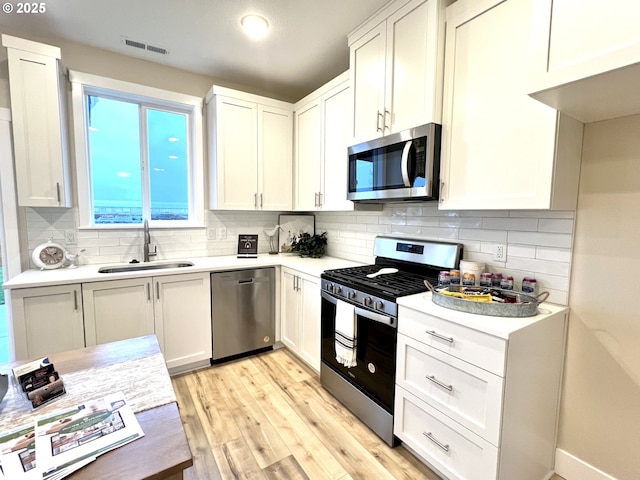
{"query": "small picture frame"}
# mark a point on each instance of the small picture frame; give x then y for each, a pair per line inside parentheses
(247, 246)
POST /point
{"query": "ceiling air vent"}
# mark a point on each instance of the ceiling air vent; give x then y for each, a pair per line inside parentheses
(144, 46)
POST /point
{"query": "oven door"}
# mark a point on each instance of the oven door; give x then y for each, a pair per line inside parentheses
(374, 373)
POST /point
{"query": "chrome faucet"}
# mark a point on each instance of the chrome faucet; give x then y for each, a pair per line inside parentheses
(149, 250)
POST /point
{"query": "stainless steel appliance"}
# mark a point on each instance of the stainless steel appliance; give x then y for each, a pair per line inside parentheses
(401, 166)
(242, 311)
(367, 388)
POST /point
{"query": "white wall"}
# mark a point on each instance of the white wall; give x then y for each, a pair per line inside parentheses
(600, 411)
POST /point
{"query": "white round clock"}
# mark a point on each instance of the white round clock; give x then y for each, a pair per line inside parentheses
(49, 255)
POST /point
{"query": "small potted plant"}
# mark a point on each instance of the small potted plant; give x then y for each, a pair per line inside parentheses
(307, 245)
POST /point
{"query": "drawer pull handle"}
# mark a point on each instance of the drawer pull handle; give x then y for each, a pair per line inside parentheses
(433, 333)
(430, 436)
(439, 383)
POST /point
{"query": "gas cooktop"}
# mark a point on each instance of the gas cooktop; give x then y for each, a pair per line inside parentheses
(397, 284)
(401, 266)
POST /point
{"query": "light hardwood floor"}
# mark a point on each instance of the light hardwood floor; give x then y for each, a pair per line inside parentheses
(266, 416)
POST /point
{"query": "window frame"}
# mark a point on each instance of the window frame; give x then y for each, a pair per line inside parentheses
(83, 85)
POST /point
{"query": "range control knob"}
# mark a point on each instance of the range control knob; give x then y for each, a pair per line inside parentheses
(328, 287)
(337, 289)
(378, 305)
(351, 295)
(366, 301)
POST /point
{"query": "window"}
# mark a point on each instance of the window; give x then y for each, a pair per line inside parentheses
(139, 154)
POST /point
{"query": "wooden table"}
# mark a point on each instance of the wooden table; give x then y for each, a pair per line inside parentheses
(163, 452)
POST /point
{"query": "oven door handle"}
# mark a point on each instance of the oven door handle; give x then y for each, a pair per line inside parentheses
(376, 317)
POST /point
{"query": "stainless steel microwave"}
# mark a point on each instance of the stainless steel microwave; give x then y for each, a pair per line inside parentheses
(397, 167)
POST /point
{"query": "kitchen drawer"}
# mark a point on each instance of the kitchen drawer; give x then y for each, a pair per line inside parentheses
(456, 452)
(468, 394)
(478, 348)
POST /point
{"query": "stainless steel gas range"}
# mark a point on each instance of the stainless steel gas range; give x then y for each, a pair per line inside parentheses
(359, 323)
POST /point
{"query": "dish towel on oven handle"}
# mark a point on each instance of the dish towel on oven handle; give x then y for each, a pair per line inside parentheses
(346, 337)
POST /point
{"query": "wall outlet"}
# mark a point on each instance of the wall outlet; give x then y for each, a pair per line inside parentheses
(70, 237)
(499, 252)
(211, 233)
(223, 233)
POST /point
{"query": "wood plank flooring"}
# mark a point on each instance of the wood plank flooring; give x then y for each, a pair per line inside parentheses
(267, 417)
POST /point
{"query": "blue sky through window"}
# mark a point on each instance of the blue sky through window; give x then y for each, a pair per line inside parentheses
(116, 157)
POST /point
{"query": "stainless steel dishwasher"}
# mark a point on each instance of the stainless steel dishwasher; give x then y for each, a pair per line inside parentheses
(243, 311)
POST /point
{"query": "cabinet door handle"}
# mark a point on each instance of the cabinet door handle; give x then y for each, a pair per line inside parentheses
(255, 200)
(148, 292)
(433, 333)
(378, 129)
(441, 192)
(58, 191)
(430, 436)
(384, 123)
(261, 201)
(319, 199)
(157, 291)
(75, 300)
(439, 383)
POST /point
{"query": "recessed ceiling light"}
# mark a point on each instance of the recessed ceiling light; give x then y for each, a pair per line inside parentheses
(173, 139)
(173, 157)
(255, 26)
(123, 174)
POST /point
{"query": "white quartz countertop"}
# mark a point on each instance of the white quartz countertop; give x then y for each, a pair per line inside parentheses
(89, 273)
(501, 327)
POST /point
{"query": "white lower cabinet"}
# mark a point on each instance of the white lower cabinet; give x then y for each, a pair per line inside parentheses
(47, 320)
(177, 308)
(183, 318)
(479, 401)
(117, 309)
(300, 315)
(457, 453)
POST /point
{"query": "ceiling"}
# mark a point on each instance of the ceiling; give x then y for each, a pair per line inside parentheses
(306, 45)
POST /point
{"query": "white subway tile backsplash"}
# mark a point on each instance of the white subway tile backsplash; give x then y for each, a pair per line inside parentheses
(460, 222)
(553, 254)
(538, 242)
(531, 265)
(525, 251)
(448, 234)
(496, 236)
(522, 224)
(555, 225)
(542, 239)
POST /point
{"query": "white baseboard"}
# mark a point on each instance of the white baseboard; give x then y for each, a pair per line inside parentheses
(572, 468)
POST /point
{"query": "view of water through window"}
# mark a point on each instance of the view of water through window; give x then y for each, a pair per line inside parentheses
(128, 175)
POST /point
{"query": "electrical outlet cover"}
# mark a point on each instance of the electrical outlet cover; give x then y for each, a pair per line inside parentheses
(69, 237)
(499, 252)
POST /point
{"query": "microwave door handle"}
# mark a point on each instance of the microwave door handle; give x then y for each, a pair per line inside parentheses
(405, 163)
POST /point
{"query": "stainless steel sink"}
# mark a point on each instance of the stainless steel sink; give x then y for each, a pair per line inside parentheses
(135, 267)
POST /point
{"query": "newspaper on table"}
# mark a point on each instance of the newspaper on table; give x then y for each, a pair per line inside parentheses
(65, 440)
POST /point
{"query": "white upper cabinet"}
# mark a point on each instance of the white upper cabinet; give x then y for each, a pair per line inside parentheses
(38, 108)
(501, 149)
(586, 57)
(250, 150)
(320, 148)
(396, 68)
